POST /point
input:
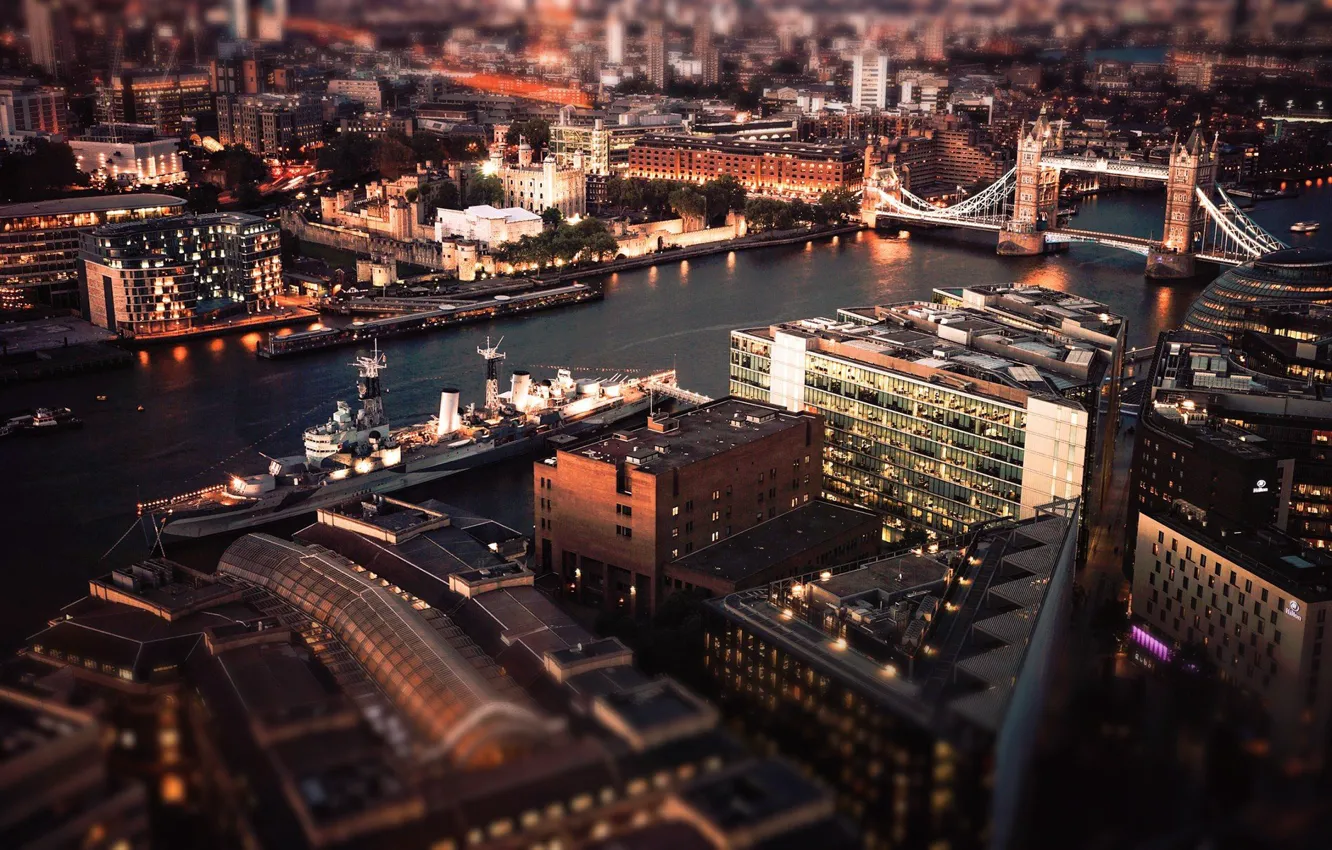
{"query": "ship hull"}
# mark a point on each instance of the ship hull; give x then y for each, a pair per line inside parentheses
(410, 473)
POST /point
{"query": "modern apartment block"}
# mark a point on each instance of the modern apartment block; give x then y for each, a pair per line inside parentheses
(169, 275)
(1256, 601)
(940, 418)
(39, 241)
(914, 686)
(270, 125)
(612, 514)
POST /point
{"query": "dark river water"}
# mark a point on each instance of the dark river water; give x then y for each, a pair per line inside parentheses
(211, 405)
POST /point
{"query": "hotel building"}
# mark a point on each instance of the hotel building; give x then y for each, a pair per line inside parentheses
(763, 168)
(612, 514)
(1256, 601)
(168, 275)
(938, 418)
(914, 686)
(1251, 446)
(39, 242)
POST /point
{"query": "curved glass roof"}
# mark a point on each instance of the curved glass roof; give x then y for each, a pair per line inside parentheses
(452, 693)
(1302, 275)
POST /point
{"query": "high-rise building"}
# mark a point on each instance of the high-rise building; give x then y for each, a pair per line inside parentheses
(50, 36)
(369, 93)
(612, 514)
(914, 686)
(271, 125)
(605, 146)
(614, 36)
(869, 80)
(932, 41)
(258, 20)
(162, 100)
(39, 241)
(706, 52)
(171, 274)
(655, 43)
(1254, 601)
(28, 109)
(940, 418)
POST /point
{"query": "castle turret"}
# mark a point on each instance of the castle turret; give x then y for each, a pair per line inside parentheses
(524, 153)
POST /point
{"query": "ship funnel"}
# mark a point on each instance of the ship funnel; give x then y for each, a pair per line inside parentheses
(448, 412)
(522, 388)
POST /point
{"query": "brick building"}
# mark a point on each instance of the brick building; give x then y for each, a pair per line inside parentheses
(610, 515)
(764, 168)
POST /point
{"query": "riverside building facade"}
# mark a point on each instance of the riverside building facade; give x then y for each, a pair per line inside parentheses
(794, 169)
(170, 275)
(939, 418)
(39, 241)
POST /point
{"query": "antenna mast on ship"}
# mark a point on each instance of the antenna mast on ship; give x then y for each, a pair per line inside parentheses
(493, 357)
(371, 402)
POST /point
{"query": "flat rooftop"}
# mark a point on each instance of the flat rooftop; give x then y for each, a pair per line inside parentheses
(696, 435)
(775, 540)
(1052, 308)
(940, 639)
(1285, 561)
(93, 203)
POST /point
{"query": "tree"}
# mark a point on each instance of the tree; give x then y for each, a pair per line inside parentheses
(484, 189)
(202, 198)
(838, 204)
(239, 165)
(552, 218)
(535, 130)
(393, 158)
(442, 195)
(767, 214)
(38, 169)
(350, 157)
(724, 194)
(688, 202)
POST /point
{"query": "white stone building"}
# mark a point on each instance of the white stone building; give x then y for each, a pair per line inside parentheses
(487, 225)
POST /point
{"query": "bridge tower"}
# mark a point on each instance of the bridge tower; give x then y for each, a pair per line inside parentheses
(1036, 198)
(1192, 166)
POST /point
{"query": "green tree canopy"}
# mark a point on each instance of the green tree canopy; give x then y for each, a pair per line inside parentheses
(484, 189)
(535, 130)
(38, 169)
(688, 202)
(551, 217)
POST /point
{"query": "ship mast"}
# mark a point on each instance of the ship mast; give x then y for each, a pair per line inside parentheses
(493, 356)
(371, 402)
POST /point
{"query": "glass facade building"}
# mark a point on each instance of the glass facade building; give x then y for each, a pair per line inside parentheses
(1302, 275)
(934, 434)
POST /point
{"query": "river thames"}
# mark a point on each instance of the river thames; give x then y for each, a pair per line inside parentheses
(210, 406)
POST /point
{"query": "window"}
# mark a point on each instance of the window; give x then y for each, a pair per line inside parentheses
(624, 510)
(689, 527)
(716, 494)
(689, 505)
(716, 515)
(675, 532)
(716, 535)
(624, 531)
(675, 511)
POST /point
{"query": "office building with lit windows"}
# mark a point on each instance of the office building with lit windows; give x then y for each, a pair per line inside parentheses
(915, 686)
(39, 241)
(611, 514)
(1249, 445)
(1255, 601)
(939, 418)
(169, 275)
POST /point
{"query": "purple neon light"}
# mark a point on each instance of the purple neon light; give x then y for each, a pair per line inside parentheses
(1148, 641)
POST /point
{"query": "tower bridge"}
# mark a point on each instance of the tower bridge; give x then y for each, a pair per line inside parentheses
(1022, 206)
